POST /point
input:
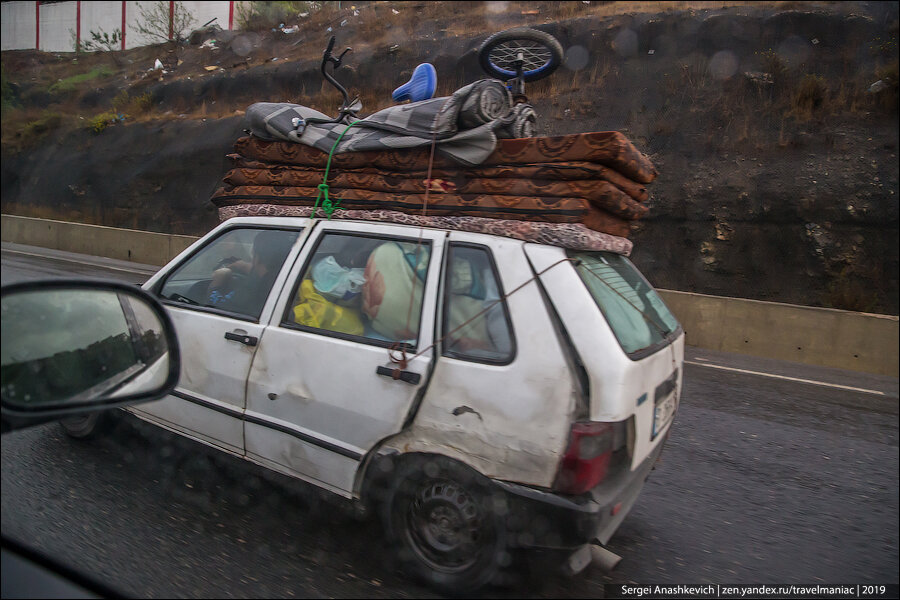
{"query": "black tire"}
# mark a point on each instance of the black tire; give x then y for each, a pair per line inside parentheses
(543, 53)
(88, 426)
(440, 517)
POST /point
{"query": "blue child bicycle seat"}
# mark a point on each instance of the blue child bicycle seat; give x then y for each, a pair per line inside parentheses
(421, 86)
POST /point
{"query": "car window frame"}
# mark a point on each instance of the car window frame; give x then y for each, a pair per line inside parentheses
(445, 309)
(156, 289)
(285, 323)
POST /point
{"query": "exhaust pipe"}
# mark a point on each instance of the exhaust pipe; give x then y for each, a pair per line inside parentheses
(603, 558)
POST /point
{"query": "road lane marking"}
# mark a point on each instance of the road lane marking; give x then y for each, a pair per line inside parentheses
(761, 374)
(77, 262)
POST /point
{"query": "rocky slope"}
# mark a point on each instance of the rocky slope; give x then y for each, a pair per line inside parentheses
(778, 167)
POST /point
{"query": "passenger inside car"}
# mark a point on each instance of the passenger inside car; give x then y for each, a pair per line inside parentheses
(476, 325)
(243, 286)
(363, 286)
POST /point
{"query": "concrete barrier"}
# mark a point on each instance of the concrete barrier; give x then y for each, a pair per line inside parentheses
(124, 244)
(816, 336)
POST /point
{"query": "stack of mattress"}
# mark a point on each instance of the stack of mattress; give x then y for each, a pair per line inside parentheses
(580, 191)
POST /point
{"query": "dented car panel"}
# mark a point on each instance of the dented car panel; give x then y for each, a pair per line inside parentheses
(621, 387)
(326, 390)
(509, 421)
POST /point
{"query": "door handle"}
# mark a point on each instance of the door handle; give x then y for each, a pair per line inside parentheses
(407, 376)
(243, 338)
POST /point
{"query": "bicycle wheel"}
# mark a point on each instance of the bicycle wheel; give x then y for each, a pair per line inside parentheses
(541, 54)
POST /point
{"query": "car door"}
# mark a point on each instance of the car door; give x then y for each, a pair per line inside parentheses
(501, 393)
(321, 391)
(219, 325)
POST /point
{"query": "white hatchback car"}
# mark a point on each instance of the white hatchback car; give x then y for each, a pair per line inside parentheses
(486, 394)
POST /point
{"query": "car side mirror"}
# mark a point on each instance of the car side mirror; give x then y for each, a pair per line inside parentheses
(73, 347)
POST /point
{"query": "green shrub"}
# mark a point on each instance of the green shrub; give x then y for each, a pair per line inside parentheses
(10, 98)
(261, 16)
(153, 21)
(121, 101)
(102, 121)
(774, 65)
(142, 104)
(41, 126)
(810, 95)
(70, 83)
(100, 40)
(124, 103)
(887, 99)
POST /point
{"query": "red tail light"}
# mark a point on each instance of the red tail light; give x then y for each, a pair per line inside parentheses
(586, 462)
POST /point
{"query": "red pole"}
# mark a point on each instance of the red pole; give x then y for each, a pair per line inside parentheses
(123, 24)
(231, 15)
(171, 19)
(37, 26)
(78, 25)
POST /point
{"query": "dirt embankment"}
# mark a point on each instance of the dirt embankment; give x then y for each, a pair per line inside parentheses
(778, 167)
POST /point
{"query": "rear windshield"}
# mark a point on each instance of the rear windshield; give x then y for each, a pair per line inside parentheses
(634, 311)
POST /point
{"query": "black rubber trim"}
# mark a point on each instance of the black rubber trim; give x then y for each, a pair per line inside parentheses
(247, 340)
(407, 376)
(574, 520)
(206, 404)
(306, 438)
(263, 422)
(666, 387)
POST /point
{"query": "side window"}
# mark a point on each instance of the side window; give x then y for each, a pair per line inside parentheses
(476, 325)
(362, 287)
(233, 273)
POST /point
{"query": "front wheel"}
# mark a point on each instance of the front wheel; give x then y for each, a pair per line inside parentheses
(441, 517)
(86, 427)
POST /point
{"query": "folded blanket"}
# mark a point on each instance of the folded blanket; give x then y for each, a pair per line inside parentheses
(574, 236)
(464, 125)
(610, 149)
(601, 194)
(565, 171)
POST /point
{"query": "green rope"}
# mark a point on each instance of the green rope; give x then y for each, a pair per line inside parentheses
(327, 205)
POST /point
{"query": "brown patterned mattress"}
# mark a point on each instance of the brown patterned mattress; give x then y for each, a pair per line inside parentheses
(608, 148)
(589, 180)
(567, 171)
(601, 194)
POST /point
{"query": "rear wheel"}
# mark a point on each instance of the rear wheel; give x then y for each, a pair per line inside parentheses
(540, 52)
(440, 516)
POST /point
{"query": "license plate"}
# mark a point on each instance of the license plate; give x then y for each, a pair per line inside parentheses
(663, 413)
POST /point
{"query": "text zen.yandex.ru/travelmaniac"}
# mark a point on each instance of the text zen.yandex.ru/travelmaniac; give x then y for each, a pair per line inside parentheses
(750, 591)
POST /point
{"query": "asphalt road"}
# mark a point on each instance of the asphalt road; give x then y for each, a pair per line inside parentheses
(765, 479)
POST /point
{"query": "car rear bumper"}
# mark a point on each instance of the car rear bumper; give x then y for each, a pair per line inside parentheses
(542, 519)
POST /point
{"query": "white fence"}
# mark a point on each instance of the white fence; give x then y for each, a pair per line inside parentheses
(54, 27)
